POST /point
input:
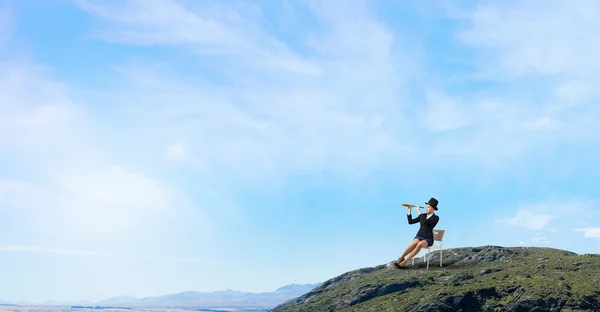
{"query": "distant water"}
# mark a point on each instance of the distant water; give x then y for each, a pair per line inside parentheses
(212, 310)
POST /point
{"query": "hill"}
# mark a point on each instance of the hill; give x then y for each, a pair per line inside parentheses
(487, 278)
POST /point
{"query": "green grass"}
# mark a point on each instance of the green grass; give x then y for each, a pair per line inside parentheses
(488, 278)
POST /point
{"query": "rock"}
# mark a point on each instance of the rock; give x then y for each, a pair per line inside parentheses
(538, 304)
(485, 257)
(527, 304)
(488, 271)
(428, 307)
(462, 277)
(368, 292)
(590, 302)
(465, 302)
(486, 293)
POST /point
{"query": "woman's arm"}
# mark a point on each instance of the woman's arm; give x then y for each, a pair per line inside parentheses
(410, 219)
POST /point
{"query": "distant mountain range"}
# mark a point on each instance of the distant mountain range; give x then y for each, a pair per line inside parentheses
(192, 299)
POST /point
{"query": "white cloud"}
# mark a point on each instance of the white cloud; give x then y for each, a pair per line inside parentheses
(536, 37)
(590, 232)
(539, 66)
(213, 29)
(540, 239)
(538, 216)
(343, 108)
(73, 188)
(530, 221)
(490, 130)
(35, 120)
(550, 230)
(575, 90)
(444, 113)
(160, 22)
(345, 119)
(6, 25)
(102, 204)
(535, 240)
(350, 117)
(176, 151)
(110, 200)
(10, 186)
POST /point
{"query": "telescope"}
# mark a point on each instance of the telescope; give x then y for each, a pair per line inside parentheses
(411, 205)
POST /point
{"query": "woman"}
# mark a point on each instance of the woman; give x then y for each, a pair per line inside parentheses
(424, 236)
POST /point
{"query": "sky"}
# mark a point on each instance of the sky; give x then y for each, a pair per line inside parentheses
(159, 146)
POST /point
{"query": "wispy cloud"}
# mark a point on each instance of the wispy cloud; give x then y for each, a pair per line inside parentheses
(229, 31)
(35, 120)
(540, 239)
(444, 113)
(176, 151)
(6, 25)
(550, 71)
(80, 190)
(538, 216)
(518, 40)
(37, 249)
(536, 240)
(344, 107)
(194, 260)
(589, 232)
(344, 118)
(9, 186)
(74, 252)
(529, 220)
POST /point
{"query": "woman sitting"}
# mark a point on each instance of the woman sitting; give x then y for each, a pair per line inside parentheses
(424, 237)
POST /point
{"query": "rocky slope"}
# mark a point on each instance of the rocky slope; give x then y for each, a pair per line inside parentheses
(487, 278)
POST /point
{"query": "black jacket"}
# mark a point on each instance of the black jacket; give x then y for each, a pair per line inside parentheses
(427, 225)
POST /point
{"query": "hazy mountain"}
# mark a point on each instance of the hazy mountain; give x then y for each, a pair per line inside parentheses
(117, 301)
(488, 278)
(218, 299)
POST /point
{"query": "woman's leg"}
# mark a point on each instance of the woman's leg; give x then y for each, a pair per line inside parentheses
(409, 249)
(415, 251)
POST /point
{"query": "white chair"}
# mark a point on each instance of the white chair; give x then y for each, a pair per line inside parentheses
(438, 235)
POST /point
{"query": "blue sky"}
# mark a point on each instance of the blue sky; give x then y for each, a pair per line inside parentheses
(153, 147)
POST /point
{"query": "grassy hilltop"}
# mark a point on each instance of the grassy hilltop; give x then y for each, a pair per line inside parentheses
(487, 278)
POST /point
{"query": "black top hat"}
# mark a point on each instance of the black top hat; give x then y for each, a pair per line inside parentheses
(433, 203)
